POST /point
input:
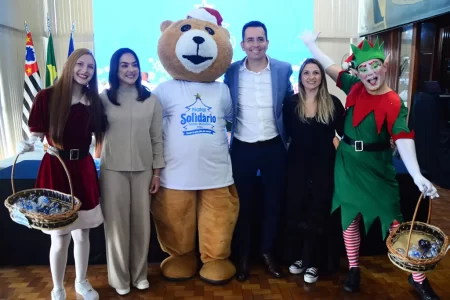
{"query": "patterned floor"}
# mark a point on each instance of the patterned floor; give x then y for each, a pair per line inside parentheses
(380, 280)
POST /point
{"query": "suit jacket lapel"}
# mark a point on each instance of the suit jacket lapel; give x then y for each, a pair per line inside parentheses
(274, 77)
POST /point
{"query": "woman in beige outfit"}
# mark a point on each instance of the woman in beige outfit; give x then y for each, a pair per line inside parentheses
(131, 161)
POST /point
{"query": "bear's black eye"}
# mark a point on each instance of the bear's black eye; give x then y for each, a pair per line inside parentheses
(210, 31)
(185, 27)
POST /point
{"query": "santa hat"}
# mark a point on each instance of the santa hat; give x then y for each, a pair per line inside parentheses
(206, 14)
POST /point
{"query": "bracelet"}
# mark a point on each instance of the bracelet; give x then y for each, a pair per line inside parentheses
(156, 176)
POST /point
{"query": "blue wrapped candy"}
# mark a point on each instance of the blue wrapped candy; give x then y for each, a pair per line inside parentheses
(43, 201)
(57, 208)
(56, 205)
(426, 255)
(401, 250)
(424, 245)
(31, 206)
(413, 253)
(435, 247)
(20, 204)
(40, 204)
(44, 210)
(54, 211)
(434, 252)
(438, 244)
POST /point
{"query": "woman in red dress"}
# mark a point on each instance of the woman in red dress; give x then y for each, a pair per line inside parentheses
(67, 114)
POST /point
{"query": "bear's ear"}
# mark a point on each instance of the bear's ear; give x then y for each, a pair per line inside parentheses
(164, 25)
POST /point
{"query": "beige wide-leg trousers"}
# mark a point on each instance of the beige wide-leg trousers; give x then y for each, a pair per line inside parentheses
(125, 201)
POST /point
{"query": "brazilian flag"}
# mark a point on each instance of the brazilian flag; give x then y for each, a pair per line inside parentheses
(51, 74)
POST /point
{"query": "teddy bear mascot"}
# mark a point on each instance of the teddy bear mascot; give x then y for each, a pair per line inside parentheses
(197, 189)
(365, 184)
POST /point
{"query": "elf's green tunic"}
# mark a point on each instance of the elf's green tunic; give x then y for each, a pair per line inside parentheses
(365, 181)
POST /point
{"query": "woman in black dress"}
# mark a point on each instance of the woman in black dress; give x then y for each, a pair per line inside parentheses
(311, 118)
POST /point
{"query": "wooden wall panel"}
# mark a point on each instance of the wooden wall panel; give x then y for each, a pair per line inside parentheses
(392, 43)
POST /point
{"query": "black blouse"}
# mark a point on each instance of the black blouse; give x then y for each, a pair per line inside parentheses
(311, 152)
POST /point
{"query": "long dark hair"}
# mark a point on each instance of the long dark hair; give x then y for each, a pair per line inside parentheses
(61, 101)
(114, 82)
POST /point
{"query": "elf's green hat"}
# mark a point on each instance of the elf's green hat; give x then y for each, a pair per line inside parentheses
(367, 52)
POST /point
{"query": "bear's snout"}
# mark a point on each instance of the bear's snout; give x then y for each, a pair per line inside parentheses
(198, 40)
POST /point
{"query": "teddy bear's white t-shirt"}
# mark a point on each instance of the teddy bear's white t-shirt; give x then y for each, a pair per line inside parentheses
(194, 135)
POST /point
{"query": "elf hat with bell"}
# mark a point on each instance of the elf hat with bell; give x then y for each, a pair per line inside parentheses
(363, 52)
(206, 14)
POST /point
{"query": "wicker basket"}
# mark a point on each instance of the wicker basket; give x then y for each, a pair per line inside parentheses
(38, 220)
(413, 231)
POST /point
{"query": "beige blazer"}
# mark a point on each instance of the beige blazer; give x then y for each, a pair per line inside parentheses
(133, 140)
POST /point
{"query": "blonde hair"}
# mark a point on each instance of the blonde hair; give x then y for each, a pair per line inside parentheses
(325, 105)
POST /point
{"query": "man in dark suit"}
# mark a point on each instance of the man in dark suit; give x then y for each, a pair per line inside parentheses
(258, 85)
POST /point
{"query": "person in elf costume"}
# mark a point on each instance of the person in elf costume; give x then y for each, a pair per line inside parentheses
(365, 183)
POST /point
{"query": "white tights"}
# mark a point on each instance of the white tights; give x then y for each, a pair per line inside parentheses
(58, 256)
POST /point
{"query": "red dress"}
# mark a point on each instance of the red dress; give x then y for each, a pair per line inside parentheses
(77, 135)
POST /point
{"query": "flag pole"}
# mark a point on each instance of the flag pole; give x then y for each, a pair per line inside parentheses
(71, 46)
(48, 25)
(51, 73)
